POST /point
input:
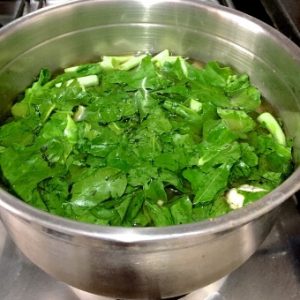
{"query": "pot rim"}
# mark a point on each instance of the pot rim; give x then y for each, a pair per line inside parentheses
(124, 235)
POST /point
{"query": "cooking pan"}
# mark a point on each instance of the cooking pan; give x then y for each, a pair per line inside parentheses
(144, 263)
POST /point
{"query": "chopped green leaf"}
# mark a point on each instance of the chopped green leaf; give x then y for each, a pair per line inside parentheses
(141, 140)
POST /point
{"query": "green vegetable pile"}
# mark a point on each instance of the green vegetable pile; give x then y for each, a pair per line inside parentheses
(142, 141)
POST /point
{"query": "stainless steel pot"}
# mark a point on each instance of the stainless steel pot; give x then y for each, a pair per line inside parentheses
(147, 262)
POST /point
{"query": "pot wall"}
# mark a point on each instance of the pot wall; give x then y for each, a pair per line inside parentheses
(137, 271)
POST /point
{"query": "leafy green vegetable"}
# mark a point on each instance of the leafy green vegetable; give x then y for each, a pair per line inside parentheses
(102, 184)
(206, 190)
(160, 215)
(182, 210)
(236, 120)
(272, 125)
(142, 141)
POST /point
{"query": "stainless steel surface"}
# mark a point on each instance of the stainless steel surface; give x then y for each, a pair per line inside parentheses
(271, 273)
(9, 9)
(151, 262)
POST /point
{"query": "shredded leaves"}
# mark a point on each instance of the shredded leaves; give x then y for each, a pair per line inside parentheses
(142, 141)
